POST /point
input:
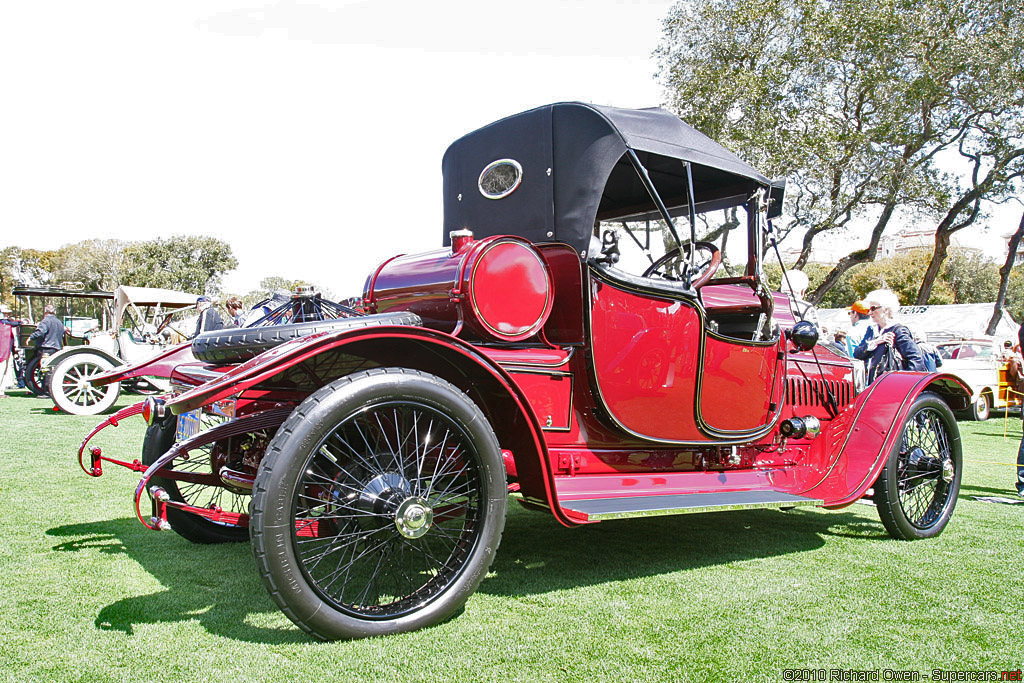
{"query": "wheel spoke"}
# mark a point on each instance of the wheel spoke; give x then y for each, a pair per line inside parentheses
(922, 491)
(351, 537)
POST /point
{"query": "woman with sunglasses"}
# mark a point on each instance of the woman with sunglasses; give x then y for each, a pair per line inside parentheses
(888, 345)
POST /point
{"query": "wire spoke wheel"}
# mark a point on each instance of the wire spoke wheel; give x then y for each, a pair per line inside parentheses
(387, 511)
(921, 479)
(389, 488)
(203, 460)
(925, 468)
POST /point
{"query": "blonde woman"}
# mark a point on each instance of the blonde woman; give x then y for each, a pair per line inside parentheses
(888, 336)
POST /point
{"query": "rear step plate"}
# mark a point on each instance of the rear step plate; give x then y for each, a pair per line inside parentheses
(596, 509)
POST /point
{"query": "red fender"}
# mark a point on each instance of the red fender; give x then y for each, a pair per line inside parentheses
(159, 365)
(855, 444)
(536, 478)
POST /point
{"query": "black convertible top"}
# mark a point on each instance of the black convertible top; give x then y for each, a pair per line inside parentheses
(575, 170)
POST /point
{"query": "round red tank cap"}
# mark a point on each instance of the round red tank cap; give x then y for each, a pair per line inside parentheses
(511, 290)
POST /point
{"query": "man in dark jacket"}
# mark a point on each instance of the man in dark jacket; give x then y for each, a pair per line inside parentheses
(49, 335)
(209, 318)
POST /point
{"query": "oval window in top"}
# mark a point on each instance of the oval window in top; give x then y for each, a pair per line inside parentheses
(500, 178)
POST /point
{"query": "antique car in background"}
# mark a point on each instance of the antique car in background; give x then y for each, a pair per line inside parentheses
(573, 343)
(68, 300)
(150, 324)
(980, 366)
(142, 322)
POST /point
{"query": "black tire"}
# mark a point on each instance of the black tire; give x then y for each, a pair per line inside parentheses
(918, 487)
(71, 389)
(237, 344)
(981, 409)
(34, 379)
(413, 546)
(159, 438)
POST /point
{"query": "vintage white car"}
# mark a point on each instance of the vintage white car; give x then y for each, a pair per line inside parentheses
(979, 363)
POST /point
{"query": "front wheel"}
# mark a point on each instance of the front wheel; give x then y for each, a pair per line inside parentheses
(917, 489)
(71, 385)
(379, 506)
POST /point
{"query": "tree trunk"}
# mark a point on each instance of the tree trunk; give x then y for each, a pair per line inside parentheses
(1004, 278)
(856, 257)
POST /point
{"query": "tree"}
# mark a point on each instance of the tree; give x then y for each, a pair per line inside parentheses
(1006, 165)
(1004, 278)
(187, 263)
(96, 264)
(852, 101)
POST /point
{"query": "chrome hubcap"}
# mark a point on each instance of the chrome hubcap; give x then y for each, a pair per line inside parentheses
(947, 470)
(414, 517)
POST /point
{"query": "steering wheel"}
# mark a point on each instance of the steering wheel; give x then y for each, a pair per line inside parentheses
(707, 259)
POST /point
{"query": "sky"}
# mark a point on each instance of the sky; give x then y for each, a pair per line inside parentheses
(308, 135)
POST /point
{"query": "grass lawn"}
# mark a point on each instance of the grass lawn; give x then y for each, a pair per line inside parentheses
(87, 593)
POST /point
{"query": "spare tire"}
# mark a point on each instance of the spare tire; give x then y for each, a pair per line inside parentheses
(235, 344)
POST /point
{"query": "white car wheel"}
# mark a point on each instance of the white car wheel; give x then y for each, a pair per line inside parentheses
(71, 386)
(982, 408)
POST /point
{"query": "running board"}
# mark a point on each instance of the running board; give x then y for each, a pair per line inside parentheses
(597, 509)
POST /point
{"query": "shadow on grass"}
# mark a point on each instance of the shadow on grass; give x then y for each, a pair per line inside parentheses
(1008, 490)
(537, 555)
(218, 585)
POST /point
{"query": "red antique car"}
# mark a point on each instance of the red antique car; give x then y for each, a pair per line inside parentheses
(569, 344)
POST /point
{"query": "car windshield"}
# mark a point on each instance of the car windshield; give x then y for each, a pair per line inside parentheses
(640, 243)
(965, 350)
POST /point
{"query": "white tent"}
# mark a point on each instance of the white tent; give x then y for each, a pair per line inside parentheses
(940, 323)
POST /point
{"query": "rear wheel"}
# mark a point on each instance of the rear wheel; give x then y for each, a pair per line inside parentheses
(34, 380)
(379, 506)
(159, 439)
(917, 489)
(71, 385)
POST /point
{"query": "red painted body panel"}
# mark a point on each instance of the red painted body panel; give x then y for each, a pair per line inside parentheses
(646, 353)
(740, 385)
(664, 377)
(471, 287)
(159, 365)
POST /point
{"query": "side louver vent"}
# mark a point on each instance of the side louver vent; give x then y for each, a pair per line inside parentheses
(813, 392)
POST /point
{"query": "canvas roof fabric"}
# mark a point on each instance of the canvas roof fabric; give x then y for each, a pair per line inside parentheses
(574, 172)
(149, 296)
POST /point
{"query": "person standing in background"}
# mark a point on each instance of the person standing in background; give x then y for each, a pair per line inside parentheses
(209, 318)
(859, 324)
(1020, 451)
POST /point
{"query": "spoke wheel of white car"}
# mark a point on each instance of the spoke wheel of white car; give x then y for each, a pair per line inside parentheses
(379, 506)
(71, 385)
(981, 408)
(918, 487)
(159, 439)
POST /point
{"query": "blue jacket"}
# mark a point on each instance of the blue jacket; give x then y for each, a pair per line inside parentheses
(903, 341)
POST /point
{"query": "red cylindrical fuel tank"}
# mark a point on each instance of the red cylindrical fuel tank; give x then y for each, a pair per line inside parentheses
(496, 288)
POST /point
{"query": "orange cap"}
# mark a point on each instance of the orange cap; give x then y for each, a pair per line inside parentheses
(859, 307)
